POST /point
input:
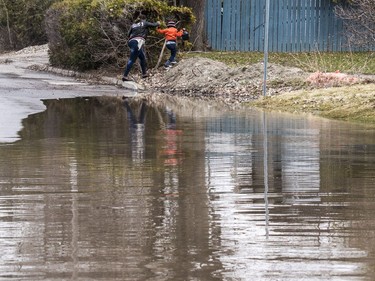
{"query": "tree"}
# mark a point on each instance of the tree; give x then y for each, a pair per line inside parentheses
(7, 23)
(22, 23)
(359, 21)
(87, 34)
(198, 35)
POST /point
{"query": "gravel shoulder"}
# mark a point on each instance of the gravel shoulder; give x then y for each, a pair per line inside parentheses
(332, 95)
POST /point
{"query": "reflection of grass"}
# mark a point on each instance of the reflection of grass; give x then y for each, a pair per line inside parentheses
(347, 62)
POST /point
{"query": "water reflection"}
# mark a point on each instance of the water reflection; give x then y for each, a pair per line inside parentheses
(137, 129)
(111, 189)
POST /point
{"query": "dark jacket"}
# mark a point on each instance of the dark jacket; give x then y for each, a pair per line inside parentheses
(140, 29)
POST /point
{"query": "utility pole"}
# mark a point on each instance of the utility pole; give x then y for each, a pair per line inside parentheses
(266, 35)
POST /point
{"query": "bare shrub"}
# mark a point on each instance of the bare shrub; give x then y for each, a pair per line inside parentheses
(359, 21)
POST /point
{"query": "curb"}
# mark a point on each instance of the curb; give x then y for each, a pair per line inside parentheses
(133, 86)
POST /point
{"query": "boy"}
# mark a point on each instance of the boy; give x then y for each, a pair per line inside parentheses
(171, 33)
(137, 36)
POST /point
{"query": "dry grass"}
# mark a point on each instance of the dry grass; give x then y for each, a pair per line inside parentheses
(352, 103)
(345, 62)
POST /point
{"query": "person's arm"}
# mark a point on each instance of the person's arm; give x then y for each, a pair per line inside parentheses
(151, 24)
(179, 33)
(161, 31)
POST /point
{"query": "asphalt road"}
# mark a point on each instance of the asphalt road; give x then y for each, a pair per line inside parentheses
(22, 91)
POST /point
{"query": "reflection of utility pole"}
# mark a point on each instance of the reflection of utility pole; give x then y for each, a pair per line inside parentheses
(265, 169)
(75, 223)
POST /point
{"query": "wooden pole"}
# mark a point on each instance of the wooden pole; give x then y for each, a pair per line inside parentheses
(161, 54)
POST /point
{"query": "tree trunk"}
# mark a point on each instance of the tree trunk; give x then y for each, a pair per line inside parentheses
(8, 24)
(197, 34)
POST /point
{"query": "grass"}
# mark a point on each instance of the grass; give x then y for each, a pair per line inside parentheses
(351, 103)
(346, 62)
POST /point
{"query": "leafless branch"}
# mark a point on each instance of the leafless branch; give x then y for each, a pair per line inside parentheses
(359, 22)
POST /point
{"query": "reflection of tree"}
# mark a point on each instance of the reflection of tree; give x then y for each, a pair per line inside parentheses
(73, 199)
(70, 117)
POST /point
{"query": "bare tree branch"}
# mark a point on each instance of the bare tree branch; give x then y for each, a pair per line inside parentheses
(359, 22)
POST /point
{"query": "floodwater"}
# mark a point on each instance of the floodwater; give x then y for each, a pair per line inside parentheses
(99, 188)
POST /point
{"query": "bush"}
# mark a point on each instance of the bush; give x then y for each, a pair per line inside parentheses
(359, 22)
(87, 34)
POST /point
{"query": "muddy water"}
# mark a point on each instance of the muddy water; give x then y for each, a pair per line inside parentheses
(103, 189)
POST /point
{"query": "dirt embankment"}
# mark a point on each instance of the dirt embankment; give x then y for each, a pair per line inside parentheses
(209, 79)
(333, 95)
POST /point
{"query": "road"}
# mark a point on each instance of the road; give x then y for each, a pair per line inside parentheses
(22, 91)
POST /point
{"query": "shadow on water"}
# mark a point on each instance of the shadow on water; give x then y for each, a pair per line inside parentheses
(134, 189)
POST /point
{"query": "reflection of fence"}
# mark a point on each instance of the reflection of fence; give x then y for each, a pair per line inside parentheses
(288, 146)
(295, 26)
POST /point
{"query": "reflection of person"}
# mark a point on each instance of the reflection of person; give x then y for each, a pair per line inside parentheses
(171, 124)
(171, 150)
(137, 128)
(171, 33)
(137, 35)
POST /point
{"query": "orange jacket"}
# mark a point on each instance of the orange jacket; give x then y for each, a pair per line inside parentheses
(170, 33)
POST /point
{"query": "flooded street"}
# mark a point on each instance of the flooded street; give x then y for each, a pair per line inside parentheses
(104, 188)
